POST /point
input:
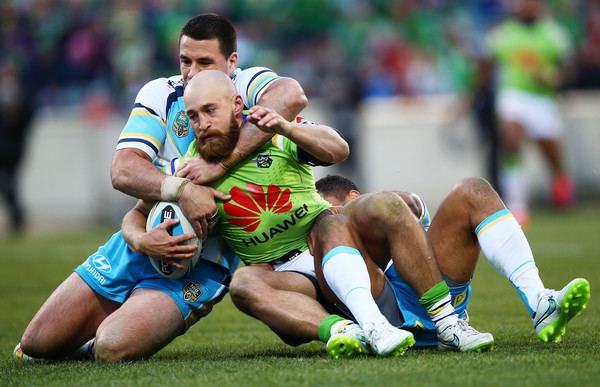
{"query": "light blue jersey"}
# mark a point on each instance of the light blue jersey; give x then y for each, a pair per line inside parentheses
(158, 124)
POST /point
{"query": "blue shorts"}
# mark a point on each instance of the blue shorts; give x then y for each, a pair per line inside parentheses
(414, 316)
(115, 271)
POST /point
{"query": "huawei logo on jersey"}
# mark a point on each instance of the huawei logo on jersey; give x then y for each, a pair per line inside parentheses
(244, 208)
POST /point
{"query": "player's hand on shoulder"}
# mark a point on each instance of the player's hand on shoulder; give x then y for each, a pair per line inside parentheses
(158, 243)
(199, 171)
(268, 120)
(198, 204)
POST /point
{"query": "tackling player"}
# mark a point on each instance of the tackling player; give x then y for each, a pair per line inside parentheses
(116, 295)
(274, 204)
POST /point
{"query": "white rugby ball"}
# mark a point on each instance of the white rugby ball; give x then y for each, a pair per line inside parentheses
(160, 212)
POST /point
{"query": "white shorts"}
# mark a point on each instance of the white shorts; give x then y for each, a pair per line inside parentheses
(303, 263)
(538, 114)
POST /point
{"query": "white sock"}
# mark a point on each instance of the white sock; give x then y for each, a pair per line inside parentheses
(505, 246)
(442, 314)
(346, 274)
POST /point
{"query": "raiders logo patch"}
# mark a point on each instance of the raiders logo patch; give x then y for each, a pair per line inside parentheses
(264, 161)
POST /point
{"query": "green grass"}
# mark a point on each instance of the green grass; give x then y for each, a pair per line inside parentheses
(228, 348)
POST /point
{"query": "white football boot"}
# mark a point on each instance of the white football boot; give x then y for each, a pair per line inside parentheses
(556, 308)
(464, 338)
(347, 341)
(387, 340)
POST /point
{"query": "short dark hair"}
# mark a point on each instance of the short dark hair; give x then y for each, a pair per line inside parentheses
(335, 185)
(208, 26)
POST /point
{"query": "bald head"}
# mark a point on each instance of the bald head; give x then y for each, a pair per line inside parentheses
(215, 112)
(209, 85)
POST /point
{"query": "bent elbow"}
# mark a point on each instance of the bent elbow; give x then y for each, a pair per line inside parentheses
(296, 99)
(343, 153)
(117, 178)
(299, 100)
(338, 154)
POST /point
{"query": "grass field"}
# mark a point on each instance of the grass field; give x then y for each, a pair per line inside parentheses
(228, 348)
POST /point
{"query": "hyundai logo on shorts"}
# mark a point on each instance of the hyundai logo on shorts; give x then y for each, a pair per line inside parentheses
(102, 263)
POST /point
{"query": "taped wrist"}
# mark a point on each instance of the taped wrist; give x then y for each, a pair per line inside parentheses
(171, 188)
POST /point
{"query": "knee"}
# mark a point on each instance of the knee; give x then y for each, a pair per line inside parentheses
(473, 191)
(31, 345)
(387, 209)
(111, 350)
(244, 287)
(36, 344)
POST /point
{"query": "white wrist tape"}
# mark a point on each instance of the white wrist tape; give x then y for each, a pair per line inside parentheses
(171, 188)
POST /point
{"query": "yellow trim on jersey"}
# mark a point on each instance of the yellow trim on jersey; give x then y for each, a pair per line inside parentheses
(277, 140)
(258, 83)
(136, 112)
(145, 136)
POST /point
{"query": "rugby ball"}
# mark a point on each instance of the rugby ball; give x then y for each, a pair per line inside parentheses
(160, 212)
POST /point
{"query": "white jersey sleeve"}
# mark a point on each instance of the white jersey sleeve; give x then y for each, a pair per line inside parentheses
(251, 83)
(146, 127)
(158, 124)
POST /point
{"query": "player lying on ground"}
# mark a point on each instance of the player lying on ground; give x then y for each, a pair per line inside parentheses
(116, 295)
(472, 218)
(273, 207)
(498, 235)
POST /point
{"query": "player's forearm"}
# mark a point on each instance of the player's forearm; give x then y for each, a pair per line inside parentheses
(287, 98)
(135, 175)
(133, 226)
(321, 141)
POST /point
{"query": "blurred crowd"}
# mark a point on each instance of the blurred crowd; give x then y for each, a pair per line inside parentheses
(102, 51)
(96, 54)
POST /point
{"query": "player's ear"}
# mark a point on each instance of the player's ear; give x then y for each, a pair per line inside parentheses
(353, 194)
(238, 104)
(232, 62)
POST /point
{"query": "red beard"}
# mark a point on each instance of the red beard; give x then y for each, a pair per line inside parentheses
(219, 147)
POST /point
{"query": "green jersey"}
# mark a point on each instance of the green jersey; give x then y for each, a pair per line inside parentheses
(273, 201)
(524, 50)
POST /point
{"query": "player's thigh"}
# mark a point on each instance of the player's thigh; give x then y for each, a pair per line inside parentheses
(260, 279)
(146, 322)
(377, 218)
(67, 319)
(453, 240)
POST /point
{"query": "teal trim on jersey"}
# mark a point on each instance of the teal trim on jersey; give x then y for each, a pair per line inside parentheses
(339, 250)
(491, 218)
